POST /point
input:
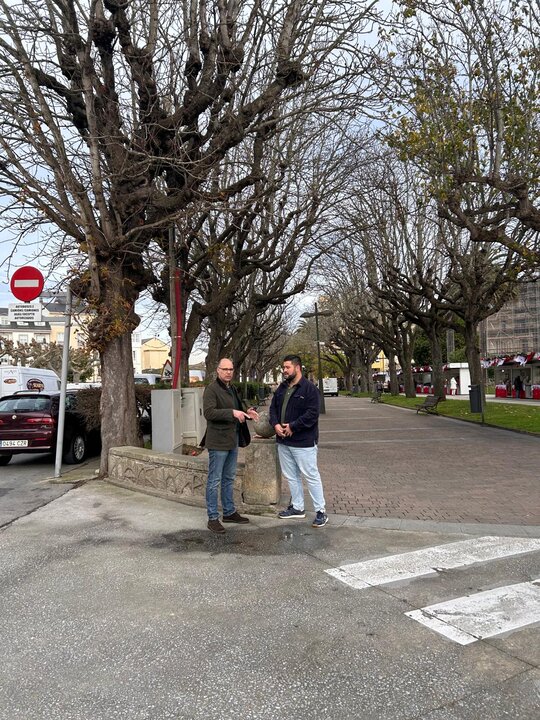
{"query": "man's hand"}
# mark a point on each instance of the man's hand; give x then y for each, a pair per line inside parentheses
(253, 414)
(284, 430)
(287, 432)
(240, 415)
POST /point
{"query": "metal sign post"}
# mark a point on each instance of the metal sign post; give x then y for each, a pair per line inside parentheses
(63, 386)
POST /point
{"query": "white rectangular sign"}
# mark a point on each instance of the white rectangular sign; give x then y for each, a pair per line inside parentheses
(24, 312)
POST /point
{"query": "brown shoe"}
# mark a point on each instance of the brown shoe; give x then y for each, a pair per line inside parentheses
(235, 518)
(216, 527)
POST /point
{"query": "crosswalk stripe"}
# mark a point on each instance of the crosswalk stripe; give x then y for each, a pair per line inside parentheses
(466, 620)
(429, 561)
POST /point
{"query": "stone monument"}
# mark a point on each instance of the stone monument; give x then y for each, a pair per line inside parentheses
(262, 476)
(262, 427)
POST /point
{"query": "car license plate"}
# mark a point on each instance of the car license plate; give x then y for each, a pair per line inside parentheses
(13, 443)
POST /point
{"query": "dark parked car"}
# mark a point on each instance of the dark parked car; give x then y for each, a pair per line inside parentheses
(29, 423)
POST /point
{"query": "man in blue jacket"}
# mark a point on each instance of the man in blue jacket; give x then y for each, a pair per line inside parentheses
(294, 414)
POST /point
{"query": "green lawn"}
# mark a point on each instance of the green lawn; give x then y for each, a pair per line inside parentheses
(504, 415)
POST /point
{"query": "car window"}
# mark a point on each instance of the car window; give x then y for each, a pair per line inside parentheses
(71, 401)
(25, 404)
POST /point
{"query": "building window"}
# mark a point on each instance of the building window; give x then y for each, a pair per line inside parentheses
(60, 338)
(23, 339)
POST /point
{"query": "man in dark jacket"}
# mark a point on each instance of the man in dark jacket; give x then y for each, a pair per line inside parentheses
(226, 428)
(294, 414)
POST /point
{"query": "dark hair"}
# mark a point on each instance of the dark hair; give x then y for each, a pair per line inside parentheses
(295, 359)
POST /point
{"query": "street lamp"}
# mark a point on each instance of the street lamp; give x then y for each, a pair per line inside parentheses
(318, 313)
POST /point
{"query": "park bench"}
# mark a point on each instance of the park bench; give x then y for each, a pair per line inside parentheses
(377, 396)
(429, 405)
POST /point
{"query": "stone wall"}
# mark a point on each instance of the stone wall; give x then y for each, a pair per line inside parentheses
(182, 478)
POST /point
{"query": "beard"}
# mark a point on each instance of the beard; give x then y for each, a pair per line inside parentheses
(288, 378)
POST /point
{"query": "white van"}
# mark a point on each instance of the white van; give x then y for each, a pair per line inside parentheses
(330, 386)
(14, 378)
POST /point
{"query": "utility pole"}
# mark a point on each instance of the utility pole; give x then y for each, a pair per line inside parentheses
(324, 313)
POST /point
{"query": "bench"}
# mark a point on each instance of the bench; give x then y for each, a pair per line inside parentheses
(429, 405)
(377, 397)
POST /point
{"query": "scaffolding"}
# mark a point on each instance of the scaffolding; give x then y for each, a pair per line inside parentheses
(515, 329)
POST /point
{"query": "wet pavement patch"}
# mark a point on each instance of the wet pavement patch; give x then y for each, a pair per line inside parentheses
(261, 541)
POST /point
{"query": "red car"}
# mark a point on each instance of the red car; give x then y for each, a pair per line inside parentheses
(29, 424)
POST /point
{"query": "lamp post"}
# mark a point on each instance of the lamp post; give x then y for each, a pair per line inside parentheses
(318, 313)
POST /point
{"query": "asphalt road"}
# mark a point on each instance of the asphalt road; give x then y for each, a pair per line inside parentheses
(115, 604)
(24, 486)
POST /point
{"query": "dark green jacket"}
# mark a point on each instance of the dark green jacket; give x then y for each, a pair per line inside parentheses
(222, 426)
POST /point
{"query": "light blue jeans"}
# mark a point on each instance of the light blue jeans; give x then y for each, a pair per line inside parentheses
(296, 463)
(221, 472)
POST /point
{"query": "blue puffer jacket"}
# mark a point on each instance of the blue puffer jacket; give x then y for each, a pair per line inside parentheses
(302, 414)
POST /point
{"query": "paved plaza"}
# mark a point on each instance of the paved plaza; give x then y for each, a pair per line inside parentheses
(386, 462)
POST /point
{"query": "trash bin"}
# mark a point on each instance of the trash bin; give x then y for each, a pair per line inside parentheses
(261, 393)
(475, 398)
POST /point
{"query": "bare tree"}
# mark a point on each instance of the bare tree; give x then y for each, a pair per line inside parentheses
(462, 83)
(49, 355)
(274, 230)
(113, 115)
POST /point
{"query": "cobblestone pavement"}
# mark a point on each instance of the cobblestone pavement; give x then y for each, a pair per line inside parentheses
(381, 461)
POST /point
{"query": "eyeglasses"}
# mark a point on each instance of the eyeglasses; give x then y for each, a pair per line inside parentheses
(226, 369)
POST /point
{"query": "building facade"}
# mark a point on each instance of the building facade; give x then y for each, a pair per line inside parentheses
(515, 329)
(510, 344)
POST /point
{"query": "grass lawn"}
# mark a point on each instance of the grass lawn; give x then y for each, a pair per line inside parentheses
(504, 415)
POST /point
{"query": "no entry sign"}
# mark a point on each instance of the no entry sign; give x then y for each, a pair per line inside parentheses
(27, 283)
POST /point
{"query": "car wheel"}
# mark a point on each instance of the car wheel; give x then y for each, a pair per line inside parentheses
(76, 452)
(4, 459)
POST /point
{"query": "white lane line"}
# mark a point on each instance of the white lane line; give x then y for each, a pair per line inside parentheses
(397, 440)
(392, 429)
(429, 561)
(361, 419)
(484, 615)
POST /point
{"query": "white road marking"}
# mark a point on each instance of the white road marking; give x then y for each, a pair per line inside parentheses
(483, 615)
(395, 429)
(397, 440)
(431, 560)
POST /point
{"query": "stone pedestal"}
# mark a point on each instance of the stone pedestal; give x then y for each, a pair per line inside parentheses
(183, 478)
(262, 477)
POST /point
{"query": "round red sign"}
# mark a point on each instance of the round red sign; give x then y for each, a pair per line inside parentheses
(27, 283)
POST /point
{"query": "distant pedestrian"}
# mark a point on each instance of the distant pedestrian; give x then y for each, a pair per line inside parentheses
(453, 386)
(294, 414)
(226, 430)
(518, 386)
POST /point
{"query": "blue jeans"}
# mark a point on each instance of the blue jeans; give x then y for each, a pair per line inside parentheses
(221, 471)
(296, 463)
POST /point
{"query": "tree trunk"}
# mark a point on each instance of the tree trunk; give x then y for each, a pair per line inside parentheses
(355, 372)
(473, 356)
(117, 398)
(364, 379)
(405, 359)
(437, 363)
